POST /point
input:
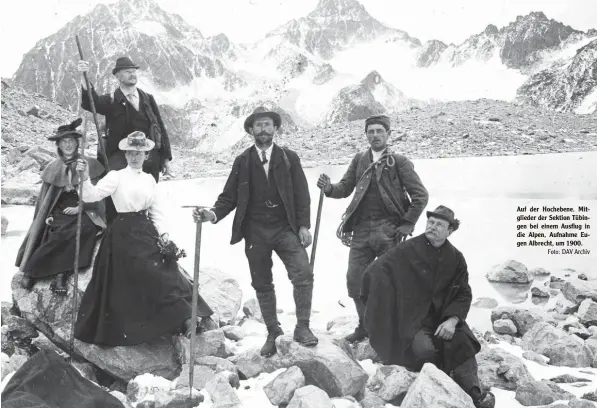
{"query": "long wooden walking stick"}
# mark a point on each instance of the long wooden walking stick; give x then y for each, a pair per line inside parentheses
(77, 247)
(317, 222)
(100, 143)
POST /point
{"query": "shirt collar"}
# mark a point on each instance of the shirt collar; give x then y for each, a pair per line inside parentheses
(135, 92)
(377, 155)
(268, 151)
(135, 171)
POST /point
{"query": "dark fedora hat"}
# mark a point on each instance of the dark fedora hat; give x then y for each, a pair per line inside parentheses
(123, 63)
(68, 130)
(260, 112)
(445, 213)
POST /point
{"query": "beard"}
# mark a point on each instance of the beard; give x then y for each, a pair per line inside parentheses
(263, 138)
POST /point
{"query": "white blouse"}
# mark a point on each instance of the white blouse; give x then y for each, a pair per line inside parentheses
(132, 190)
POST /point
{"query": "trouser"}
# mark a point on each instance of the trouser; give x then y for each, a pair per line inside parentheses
(371, 239)
(261, 241)
(427, 348)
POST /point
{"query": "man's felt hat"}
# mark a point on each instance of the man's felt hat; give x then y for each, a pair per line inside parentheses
(68, 130)
(445, 213)
(378, 119)
(136, 141)
(260, 112)
(123, 63)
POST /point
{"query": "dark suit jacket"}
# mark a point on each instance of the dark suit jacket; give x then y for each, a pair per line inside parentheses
(291, 182)
(116, 110)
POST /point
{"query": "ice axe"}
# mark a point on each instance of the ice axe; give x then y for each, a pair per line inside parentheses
(195, 298)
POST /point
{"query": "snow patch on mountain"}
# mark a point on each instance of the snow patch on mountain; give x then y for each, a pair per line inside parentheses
(589, 104)
(149, 27)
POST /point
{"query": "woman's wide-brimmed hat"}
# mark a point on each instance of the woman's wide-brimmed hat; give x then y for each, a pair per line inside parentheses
(136, 141)
(69, 130)
(123, 63)
(260, 112)
(445, 213)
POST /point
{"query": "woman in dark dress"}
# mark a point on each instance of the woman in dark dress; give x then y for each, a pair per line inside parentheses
(49, 246)
(136, 294)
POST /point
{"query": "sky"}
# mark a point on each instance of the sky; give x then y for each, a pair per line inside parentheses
(26, 22)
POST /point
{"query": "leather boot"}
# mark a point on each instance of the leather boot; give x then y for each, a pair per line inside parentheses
(359, 333)
(303, 296)
(267, 304)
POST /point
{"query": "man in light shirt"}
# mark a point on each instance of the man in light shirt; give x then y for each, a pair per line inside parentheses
(381, 213)
(268, 189)
(130, 109)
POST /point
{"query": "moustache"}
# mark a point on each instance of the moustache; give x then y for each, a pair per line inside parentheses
(264, 133)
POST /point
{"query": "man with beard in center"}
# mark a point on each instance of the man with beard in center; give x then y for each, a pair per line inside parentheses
(268, 188)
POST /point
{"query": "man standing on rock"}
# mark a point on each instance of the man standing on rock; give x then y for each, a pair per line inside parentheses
(129, 109)
(268, 188)
(381, 213)
(417, 299)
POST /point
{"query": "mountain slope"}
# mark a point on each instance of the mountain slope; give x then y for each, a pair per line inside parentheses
(566, 85)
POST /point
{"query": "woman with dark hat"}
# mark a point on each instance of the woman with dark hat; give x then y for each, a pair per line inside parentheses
(49, 246)
(137, 292)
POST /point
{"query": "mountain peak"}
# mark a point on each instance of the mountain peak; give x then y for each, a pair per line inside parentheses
(372, 79)
(340, 10)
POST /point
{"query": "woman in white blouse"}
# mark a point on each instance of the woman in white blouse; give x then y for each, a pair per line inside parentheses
(135, 294)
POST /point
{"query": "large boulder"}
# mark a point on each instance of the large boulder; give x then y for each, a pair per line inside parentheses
(342, 325)
(561, 348)
(577, 290)
(433, 388)
(205, 369)
(500, 369)
(523, 319)
(587, 312)
(310, 397)
(281, 389)
(329, 365)
(541, 393)
(222, 293)
(510, 272)
(51, 315)
(221, 392)
(390, 382)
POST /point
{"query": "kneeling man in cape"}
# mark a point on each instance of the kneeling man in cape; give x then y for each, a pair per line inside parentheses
(417, 298)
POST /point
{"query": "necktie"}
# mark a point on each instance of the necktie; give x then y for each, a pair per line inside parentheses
(133, 99)
(263, 157)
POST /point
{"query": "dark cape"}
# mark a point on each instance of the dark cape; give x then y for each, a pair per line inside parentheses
(412, 285)
(49, 249)
(134, 296)
(47, 381)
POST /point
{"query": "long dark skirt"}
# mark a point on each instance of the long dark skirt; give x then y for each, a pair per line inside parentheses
(56, 253)
(133, 296)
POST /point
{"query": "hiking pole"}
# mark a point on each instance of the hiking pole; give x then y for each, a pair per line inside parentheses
(321, 195)
(77, 248)
(100, 143)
